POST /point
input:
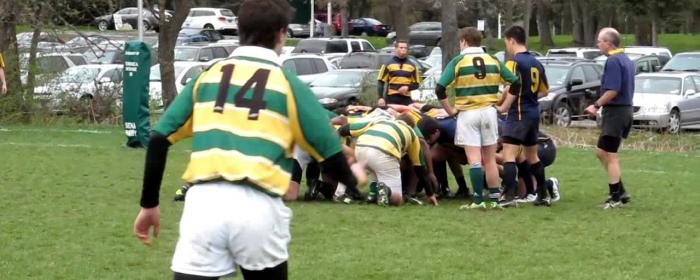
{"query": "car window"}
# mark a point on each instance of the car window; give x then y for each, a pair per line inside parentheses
(320, 66)
(51, 64)
(78, 60)
(689, 84)
(355, 46)
(591, 74)
(208, 13)
(591, 54)
(577, 73)
(305, 66)
(311, 46)
(194, 71)
(655, 64)
(111, 74)
(696, 79)
(367, 46)
(290, 65)
(219, 52)
(216, 35)
(205, 54)
(226, 13)
(643, 66)
(339, 46)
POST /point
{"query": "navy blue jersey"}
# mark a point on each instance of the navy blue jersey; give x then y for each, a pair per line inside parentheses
(532, 80)
(618, 75)
(448, 128)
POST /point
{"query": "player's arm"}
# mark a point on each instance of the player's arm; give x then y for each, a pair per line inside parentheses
(174, 125)
(415, 154)
(382, 79)
(515, 85)
(415, 83)
(448, 76)
(316, 136)
(543, 89)
(355, 129)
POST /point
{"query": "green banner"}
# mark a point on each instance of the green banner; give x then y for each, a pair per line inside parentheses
(137, 69)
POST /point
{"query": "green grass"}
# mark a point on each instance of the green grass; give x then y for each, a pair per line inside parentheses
(69, 197)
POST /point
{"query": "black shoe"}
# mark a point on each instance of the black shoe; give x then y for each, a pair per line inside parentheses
(624, 198)
(462, 194)
(542, 202)
(181, 192)
(445, 193)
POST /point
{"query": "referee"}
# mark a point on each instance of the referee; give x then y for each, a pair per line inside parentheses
(617, 85)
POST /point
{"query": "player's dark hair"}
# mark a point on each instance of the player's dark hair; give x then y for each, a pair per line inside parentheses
(426, 108)
(259, 21)
(516, 33)
(471, 35)
(406, 117)
(396, 44)
(428, 126)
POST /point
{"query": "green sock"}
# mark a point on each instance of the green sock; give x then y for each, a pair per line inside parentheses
(372, 189)
(476, 174)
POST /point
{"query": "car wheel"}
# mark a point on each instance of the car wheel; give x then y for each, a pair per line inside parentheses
(290, 34)
(364, 34)
(103, 25)
(146, 25)
(674, 122)
(208, 26)
(437, 42)
(562, 114)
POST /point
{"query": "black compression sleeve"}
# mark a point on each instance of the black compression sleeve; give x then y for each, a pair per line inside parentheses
(338, 169)
(156, 157)
(515, 88)
(344, 130)
(414, 86)
(422, 173)
(441, 92)
(380, 89)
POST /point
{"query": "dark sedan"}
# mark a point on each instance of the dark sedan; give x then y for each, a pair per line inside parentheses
(193, 35)
(368, 27)
(574, 84)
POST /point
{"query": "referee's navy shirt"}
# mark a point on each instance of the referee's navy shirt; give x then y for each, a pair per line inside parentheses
(618, 75)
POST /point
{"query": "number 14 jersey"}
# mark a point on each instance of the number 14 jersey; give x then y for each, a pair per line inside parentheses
(475, 76)
(244, 115)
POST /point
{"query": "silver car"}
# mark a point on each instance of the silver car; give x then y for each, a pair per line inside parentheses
(666, 101)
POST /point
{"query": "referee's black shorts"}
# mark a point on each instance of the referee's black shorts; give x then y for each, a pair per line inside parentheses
(617, 123)
(521, 132)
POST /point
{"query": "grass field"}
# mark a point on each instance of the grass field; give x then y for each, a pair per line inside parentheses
(70, 194)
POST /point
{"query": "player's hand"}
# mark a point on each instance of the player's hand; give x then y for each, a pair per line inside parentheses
(4, 88)
(403, 90)
(501, 109)
(592, 111)
(146, 218)
(359, 170)
(381, 102)
(432, 200)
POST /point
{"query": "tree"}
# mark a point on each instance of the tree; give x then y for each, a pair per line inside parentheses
(543, 27)
(527, 18)
(449, 43)
(576, 23)
(398, 13)
(166, 45)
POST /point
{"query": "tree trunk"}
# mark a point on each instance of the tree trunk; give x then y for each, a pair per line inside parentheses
(343, 5)
(589, 31)
(8, 44)
(642, 30)
(398, 16)
(576, 23)
(527, 18)
(508, 13)
(653, 14)
(166, 47)
(449, 42)
(543, 26)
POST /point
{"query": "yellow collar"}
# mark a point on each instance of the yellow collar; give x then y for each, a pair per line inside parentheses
(616, 51)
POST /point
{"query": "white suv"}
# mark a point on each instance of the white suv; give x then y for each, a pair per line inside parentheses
(333, 48)
(585, 53)
(219, 19)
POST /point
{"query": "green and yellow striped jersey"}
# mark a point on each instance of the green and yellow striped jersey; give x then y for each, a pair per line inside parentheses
(475, 77)
(245, 114)
(393, 137)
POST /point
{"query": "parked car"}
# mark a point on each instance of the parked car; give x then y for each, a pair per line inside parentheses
(49, 65)
(333, 47)
(417, 51)
(82, 82)
(574, 84)
(48, 42)
(687, 61)
(184, 72)
(663, 53)
(426, 33)
(666, 101)
(199, 53)
(222, 20)
(367, 27)
(81, 44)
(130, 16)
(643, 63)
(308, 67)
(194, 35)
(374, 61)
(335, 20)
(586, 53)
(304, 29)
(342, 87)
(107, 56)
